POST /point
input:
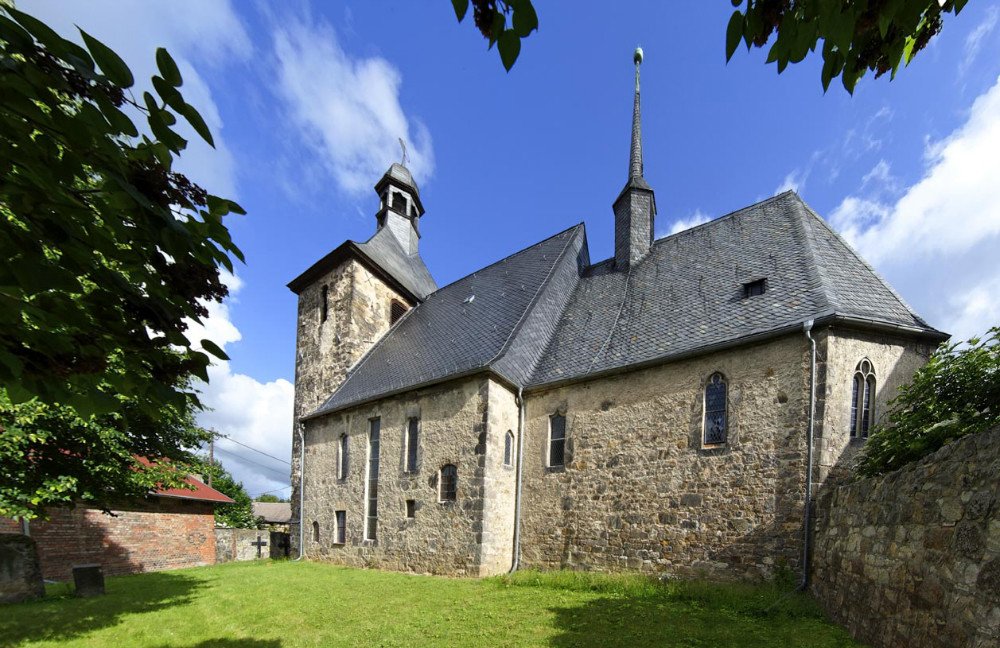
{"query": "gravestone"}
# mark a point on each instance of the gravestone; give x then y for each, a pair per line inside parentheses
(20, 571)
(88, 580)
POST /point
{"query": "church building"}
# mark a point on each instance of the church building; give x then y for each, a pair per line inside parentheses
(655, 411)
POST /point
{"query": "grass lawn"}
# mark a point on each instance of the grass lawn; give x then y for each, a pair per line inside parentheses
(282, 604)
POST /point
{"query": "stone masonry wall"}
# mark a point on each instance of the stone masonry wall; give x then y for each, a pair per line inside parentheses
(358, 314)
(640, 492)
(447, 538)
(500, 482)
(894, 360)
(237, 544)
(912, 558)
(165, 534)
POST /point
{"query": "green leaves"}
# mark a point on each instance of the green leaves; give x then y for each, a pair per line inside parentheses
(168, 69)
(110, 63)
(955, 394)
(491, 20)
(734, 33)
(857, 37)
(214, 349)
(110, 255)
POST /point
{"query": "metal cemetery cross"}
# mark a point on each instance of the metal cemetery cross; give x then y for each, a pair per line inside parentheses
(260, 543)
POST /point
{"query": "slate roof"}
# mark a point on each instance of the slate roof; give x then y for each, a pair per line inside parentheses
(383, 253)
(465, 326)
(546, 315)
(408, 269)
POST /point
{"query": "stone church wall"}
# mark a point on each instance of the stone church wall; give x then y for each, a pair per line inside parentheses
(912, 558)
(358, 314)
(446, 538)
(894, 360)
(640, 492)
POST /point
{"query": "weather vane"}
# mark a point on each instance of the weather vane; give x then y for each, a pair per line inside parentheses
(402, 145)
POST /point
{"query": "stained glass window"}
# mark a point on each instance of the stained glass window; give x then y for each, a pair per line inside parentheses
(715, 410)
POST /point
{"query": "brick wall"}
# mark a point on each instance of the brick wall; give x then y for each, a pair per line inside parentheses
(163, 534)
(912, 558)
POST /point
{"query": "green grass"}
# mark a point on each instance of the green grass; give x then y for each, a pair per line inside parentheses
(284, 604)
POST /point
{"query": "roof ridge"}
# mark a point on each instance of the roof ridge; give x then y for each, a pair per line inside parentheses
(813, 266)
(718, 219)
(816, 217)
(534, 299)
(509, 256)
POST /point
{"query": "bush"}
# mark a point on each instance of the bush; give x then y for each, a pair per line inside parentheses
(956, 393)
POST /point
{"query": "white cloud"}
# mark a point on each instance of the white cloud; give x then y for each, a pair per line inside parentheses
(347, 109)
(938, 241)
(197, 34)
(974, 41)
(794, 181)
(681, 224)
(257, 414)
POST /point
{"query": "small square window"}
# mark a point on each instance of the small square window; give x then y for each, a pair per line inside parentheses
(411, 509)
(754, 288)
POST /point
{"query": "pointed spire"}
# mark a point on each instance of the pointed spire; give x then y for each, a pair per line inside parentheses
(635, 159)
(635, 207)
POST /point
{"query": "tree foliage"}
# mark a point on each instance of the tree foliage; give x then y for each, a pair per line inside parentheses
(956, 393)
(108, 252)
(490, 18)
(271, 498)
(858, 35)
(52, 456)
(235, 516)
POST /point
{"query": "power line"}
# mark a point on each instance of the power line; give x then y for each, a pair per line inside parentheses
(276, 471)
(275, 490)
(229, 438)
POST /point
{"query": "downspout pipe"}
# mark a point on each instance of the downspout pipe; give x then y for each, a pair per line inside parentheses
(302, 494)
(515, 561)
(807, 509)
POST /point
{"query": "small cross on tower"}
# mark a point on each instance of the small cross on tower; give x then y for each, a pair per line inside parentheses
(259, 544)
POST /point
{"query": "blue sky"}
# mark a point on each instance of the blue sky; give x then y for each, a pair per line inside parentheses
(307, 101)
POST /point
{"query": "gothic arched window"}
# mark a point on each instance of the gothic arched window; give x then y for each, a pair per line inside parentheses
(315, 531)
(862, 395)
(449, 483)
(508, 448)
(715, 423)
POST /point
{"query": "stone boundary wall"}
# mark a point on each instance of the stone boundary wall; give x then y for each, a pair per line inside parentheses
(912, 558)
(235, 544)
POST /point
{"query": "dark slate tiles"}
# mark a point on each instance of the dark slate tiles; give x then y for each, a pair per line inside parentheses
(408, 269)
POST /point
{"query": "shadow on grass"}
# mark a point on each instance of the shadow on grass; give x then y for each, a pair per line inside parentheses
(61, 616)
(632, 610)
(230, 643)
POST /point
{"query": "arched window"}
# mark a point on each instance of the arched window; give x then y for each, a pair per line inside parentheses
(315, 531)
(862, 395)
(508, 448)
(324, 304)
(448, 483)
(557, 440)
(342, 464)
(715, 410)
(396, 310)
